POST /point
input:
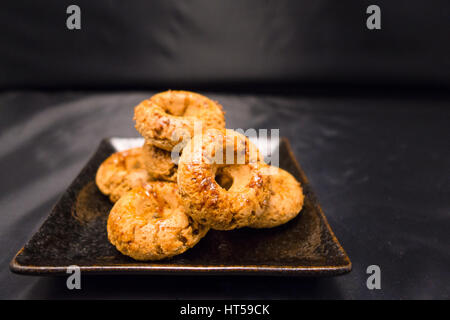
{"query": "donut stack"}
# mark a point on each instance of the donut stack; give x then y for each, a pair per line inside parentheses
(168, 117)
(190, 176)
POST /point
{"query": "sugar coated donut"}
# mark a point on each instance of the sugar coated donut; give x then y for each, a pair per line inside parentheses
(221, 180)
(167, 117)
(121, 172)
(286, 200)
(149, 223)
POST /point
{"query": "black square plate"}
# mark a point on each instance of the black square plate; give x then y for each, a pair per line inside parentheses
(75, 234)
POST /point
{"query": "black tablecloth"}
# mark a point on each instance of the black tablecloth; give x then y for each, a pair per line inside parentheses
(379, 165)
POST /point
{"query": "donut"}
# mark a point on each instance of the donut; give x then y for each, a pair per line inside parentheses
(168, 117)
(286, 200)
(149, 223)
(226, 194)
(158, 163)
(121, 172)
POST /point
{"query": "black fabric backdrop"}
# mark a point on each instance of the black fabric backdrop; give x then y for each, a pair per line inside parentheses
(168, 43)
(378, 160)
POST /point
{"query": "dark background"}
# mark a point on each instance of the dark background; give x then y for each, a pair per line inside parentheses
(201, 43)
(367, 114)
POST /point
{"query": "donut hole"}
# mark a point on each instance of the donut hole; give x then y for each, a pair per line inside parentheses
(224, 180)
(234, 178)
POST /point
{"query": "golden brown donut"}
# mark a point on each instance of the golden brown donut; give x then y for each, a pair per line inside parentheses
(167, 117)
(286, 200)
(244, 193)
(158, 163)
(121, 172)
(149, 223)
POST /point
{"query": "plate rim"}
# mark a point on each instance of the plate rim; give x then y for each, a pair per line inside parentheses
(165, 269)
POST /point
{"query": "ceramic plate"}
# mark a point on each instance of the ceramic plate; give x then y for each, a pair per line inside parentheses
(75, 234)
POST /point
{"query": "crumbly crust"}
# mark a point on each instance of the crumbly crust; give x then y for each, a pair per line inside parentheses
(205, 200)
(158, 163)
(149, 223)
(121, 172)
(286, 200)
(168, 117)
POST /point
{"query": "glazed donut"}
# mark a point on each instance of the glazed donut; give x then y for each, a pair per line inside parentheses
(158, 163)
(149, 223)
(121, 172)
(167, 117)
(286, 200)
(244, 193)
